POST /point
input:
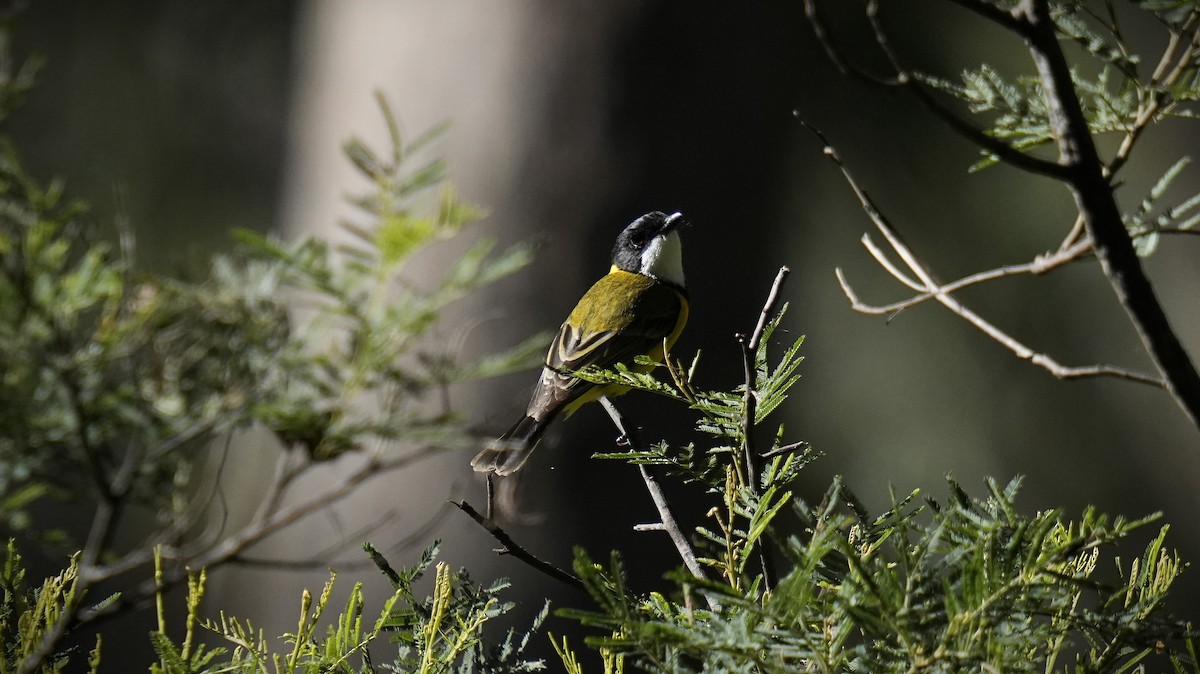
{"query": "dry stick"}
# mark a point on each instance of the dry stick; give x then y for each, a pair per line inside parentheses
(1040, 265)
(667, 519)
(939, 292)
(768, 307)
(749, 407)
(511, 548)
(1080, 167)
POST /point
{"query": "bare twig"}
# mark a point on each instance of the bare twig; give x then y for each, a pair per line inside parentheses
(269, 520)
(1168, 230)
(750, 404)
(886, 262)
(931, 288)
(667, 519)
(784, 449)
(1040, 265)
(511, 548)
(834, 55)
(269, 523)
(1077, 235)
(1079, 166)
(326, 557)
(768, 308)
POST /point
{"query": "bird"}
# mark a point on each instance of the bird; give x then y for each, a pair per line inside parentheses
(639, 308)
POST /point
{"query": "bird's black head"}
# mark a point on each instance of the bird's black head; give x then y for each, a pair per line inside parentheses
(650, 246)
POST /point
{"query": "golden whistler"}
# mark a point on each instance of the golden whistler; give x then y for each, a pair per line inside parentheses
(638, 308)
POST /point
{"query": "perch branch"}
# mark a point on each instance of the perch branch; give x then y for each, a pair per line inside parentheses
(667, 519)
(512, 548)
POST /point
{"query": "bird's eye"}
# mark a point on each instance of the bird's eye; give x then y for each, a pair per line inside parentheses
(637, 240)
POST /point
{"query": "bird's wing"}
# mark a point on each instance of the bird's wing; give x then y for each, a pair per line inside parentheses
(622, 316)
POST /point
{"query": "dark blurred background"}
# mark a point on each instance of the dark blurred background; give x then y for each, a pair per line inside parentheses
(194, 118)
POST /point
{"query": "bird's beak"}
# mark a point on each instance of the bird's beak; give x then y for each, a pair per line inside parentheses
(674, 221)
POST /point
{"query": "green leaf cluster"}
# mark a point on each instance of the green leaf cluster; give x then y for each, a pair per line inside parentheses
(1120, 96)
(113, 379)
(28, 616)
(362, 328)
(439, 633)
(115, 382)
(1147, 222)
(961, 585)
(748, 502)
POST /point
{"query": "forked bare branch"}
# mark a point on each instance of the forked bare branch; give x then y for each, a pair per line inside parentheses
(929, 288)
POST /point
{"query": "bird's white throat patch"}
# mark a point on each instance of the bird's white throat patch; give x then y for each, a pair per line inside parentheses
(663, 259)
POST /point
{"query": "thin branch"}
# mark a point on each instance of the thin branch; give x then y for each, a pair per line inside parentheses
(1169, 230)
(327, 556)
(1040, 265)
(202, 498)
(784, 449)
(932, 288)
(768, 308)
(910, 81)
(834, 55)
(1171, 66)
(372, 469)
(511, 548)
(750, 404)
(1077, 235)
(886, 262)
(288, 467)
(994, 14)
(264, 524)
(1002, 150)
(104, 520)
(670, 525)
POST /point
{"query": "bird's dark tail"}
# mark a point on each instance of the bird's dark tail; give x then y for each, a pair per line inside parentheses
(505, 455)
